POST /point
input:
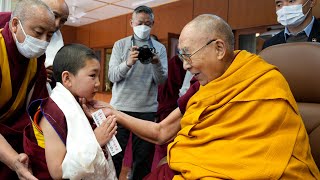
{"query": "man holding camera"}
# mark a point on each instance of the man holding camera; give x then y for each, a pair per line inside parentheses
(137, 66)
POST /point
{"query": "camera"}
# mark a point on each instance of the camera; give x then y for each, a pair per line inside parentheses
(145, 54)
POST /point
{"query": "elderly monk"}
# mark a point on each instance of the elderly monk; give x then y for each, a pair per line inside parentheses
(22, 77)
(242, 123)
(61, 12)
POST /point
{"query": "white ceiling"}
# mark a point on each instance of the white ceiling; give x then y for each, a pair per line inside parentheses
(84, 12)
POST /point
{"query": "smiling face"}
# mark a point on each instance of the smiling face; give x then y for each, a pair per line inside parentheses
(207, 64)
(85, 82)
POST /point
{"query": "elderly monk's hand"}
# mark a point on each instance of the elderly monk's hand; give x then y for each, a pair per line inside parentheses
(49, 70)
(94, 105)
(106, 130)
(21, 167)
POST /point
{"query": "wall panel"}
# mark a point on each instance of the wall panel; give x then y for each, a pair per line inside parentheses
(251, 13)
(83, 35)
(105, 33)
(68, 34)
(217, 7)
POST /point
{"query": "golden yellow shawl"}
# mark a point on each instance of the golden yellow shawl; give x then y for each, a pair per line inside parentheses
(243, 125)
(5, 86)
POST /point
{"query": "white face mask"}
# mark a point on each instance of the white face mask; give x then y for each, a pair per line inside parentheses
(31, 47)
(142, 31)
(292, 15)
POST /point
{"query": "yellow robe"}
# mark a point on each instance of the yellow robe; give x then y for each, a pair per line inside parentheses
(5, 82)
(243, 125)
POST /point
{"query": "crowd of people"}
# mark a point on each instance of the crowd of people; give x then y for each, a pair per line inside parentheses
(210, 112)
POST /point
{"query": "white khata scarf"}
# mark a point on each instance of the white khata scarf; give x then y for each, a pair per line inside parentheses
(84, 158)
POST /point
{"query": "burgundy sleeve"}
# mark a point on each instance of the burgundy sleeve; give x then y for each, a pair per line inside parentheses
(183, 100)
(4, 18)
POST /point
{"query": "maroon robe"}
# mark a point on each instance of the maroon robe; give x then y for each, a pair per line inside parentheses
(12, 129)
(164, 172)
(36, 154)
(168, 94)
(56, 118)
(183, 100)
(4, 18)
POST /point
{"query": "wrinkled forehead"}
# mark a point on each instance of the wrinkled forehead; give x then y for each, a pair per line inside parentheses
(40, 17)
(190, 37)
(141, 17)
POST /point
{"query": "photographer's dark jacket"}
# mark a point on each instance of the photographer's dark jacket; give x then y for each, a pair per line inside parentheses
(135, 88)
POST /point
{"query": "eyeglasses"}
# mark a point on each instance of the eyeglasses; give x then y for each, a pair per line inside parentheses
(187, 57)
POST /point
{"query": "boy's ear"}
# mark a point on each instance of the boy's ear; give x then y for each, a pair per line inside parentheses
(66, 78)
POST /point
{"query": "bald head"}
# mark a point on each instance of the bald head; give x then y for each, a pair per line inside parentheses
(207, 26)
(34, 18)
(60, 10)
(26, 9)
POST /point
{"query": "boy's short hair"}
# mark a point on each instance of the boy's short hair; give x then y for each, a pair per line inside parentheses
(71, 58)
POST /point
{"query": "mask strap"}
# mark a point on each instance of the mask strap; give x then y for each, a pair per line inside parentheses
(132, 41)
(308, 12)
(22, 28)
(305, 3)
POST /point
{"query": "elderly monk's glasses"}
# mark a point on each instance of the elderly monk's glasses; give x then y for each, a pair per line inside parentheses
(187, 57)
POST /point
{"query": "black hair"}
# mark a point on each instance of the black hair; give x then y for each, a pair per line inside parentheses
(72, 58)
(144, 9)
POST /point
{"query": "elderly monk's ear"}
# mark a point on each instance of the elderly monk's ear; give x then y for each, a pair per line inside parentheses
(66, 79)
(14, 24)
(220, 49)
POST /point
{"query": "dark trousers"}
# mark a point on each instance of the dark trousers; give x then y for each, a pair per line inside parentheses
(142, 151)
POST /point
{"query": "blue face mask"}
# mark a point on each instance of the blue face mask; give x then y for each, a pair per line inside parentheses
(31, 47)
(292, 15)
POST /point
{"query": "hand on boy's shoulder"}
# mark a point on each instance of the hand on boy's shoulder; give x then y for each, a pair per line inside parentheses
(94, 105)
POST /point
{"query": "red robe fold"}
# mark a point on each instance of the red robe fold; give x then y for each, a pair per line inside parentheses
(56, 118)
(12, 128)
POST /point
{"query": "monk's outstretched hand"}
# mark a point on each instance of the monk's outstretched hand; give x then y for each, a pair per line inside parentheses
(21, 166)
(90, 107)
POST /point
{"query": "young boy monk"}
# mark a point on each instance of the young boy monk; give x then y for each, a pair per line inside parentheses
(60, 141)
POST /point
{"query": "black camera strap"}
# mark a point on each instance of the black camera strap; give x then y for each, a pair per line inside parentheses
(149, 42)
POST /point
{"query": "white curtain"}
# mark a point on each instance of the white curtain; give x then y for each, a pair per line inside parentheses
(5, 5)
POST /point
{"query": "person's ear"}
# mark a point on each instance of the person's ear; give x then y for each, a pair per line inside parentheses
(14, 24)
(66, 79)
(221, 49)
(131, 22)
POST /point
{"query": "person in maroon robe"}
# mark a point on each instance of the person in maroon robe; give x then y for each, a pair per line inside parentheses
(168, 94)
(4, 18)
(15, 38)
